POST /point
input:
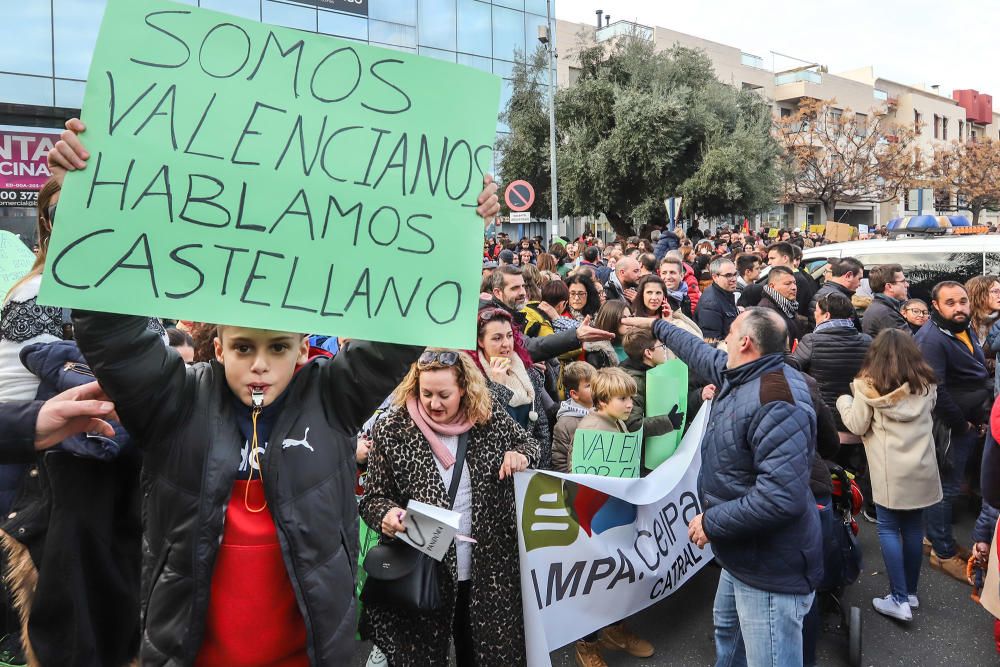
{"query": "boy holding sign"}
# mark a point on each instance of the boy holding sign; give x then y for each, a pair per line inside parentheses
(613, 394)
(249, 549)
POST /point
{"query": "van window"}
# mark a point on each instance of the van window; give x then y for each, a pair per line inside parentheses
(926, 269)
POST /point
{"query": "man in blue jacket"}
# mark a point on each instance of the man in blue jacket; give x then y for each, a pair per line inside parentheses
(950, 345)
(758, 511)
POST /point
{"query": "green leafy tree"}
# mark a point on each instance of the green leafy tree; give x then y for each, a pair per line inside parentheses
(640, 125)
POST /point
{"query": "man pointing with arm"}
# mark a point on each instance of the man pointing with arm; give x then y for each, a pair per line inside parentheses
(758, 511)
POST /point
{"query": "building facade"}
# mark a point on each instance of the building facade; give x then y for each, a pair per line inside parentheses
(938, 117)
(46, 48)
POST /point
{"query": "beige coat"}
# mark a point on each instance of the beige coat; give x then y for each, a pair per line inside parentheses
(896, 432)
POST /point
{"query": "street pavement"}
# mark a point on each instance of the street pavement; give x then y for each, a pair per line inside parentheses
(948, 628)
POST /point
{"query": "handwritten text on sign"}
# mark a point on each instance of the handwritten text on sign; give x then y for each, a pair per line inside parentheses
(607, 454)
(248, 174)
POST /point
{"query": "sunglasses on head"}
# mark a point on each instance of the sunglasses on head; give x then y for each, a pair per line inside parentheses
(442, 357)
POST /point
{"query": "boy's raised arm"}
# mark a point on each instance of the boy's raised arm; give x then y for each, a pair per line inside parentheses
(135, 369)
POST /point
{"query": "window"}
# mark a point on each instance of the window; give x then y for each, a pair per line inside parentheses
(26, 40)
(785, 113)
(835, 114)
(290, 16)
(926, 269)
(393, 34)
(474, 23)
(440, 54)
(248, 9)
(961, 129)
(508, 33)
(436, 24)
(35, 90)
(69, 94)
(75, 24)
(343, 25)
(944, 128)
(916, 122)
(937, 126)
(394, 11)
(860, 124)
(478, 62)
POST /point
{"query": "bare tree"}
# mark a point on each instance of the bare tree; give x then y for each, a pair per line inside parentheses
(835, 156)
(969, 171)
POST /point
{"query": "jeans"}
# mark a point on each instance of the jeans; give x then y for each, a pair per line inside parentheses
(756, 628)
(901, 536)
(938, 517)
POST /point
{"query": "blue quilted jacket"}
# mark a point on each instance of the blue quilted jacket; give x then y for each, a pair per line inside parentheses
(759, 512)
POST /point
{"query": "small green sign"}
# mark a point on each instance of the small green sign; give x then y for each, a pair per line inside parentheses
(248, 174)
(15, 261)
(607, 454)
(666, 387)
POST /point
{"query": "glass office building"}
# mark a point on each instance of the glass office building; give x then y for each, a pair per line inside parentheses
(46, 45)
(46, 48)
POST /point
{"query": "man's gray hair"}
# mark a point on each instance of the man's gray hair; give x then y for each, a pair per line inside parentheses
(654, 235)
(765, 328)
(716, 266)
(497, 277)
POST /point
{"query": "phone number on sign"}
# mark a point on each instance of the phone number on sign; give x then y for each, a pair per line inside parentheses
(18, 197)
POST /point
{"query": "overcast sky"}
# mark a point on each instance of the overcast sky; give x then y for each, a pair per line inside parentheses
(954, 43)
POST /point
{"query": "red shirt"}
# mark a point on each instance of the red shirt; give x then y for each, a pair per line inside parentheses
(253, 617)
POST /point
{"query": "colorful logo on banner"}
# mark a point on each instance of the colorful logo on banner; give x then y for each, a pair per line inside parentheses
(555, 511)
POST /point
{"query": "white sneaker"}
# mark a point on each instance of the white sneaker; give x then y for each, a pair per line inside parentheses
(914, 602)
(376, 658)
(887, 606)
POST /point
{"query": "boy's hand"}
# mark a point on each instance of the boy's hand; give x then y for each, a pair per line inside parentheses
(392, 522)
(68, 154)
(489, 203)
(512, 462)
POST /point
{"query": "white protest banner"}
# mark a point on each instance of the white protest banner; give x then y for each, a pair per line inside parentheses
(594, 550)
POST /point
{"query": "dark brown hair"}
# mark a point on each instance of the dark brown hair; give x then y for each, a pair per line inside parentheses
(609, 318)
(894, 359)
(638, 305)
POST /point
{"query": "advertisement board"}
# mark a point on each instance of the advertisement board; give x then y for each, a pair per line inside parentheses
(23, 168)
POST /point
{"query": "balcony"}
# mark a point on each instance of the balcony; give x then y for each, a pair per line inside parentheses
(801, 76)
(751, 60)
(621, 28)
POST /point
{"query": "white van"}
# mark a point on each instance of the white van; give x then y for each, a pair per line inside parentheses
(925, 261)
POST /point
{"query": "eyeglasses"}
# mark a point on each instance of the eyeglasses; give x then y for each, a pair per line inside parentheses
(727, 276)
(904, 281)
(995, 291)
(919, 313)
(443, 357)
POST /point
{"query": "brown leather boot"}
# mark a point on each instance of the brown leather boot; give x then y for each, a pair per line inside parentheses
(954, 567)
(621, 638)
(588, 654)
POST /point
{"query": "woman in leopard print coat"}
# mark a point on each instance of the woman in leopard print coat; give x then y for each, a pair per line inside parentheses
(401, 466)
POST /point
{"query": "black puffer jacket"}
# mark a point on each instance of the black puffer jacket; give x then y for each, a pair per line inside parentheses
(184, 420)
(832, 356)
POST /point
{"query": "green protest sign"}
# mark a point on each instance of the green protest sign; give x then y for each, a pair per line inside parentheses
(15, 261)
(607, 454)
(666, 387)
(247, 174)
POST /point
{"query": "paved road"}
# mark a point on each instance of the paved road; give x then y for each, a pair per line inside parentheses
(947, 629)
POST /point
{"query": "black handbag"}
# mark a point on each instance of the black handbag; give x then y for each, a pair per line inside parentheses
(401, 576)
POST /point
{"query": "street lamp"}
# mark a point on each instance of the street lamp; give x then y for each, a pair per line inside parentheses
(545, 34)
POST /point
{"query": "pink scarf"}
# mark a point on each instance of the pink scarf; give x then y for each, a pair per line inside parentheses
(432, 430)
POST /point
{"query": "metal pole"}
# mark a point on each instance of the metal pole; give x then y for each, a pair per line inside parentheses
(552, 117)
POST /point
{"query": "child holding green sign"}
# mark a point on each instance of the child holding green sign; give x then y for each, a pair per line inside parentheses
(613, 393)
(250, 550)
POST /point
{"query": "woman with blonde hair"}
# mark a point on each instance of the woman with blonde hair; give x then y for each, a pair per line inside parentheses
(984, 301)
(445, 419)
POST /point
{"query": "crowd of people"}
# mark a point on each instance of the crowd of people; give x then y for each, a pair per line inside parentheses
(211, 469)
